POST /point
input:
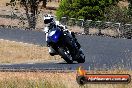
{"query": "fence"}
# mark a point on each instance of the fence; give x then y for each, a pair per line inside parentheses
(17, 19)
(100, 27)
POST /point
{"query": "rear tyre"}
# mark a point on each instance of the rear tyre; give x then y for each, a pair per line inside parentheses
(81, 59)
(65, 56)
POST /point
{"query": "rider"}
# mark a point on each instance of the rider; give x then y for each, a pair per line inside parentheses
(50, 22)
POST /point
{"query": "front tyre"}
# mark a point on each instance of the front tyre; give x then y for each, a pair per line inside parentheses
(65, 55)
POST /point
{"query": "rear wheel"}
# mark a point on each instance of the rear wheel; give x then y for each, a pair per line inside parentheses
(65, 55)
(81, 59)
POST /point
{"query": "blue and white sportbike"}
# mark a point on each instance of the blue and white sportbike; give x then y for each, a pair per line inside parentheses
(65, 46)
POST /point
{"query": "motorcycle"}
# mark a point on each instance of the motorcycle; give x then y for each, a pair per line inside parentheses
(65, 46)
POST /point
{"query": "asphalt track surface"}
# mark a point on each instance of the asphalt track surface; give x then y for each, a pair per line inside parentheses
(101, 52)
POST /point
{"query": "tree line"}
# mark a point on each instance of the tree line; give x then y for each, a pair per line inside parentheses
(104, 10)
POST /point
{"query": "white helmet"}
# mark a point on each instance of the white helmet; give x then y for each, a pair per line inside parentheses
(48, 19)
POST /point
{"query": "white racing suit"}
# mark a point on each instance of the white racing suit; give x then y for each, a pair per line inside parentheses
(64, 28)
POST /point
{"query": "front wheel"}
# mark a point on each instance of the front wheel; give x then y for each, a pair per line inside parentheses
(65, 55)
